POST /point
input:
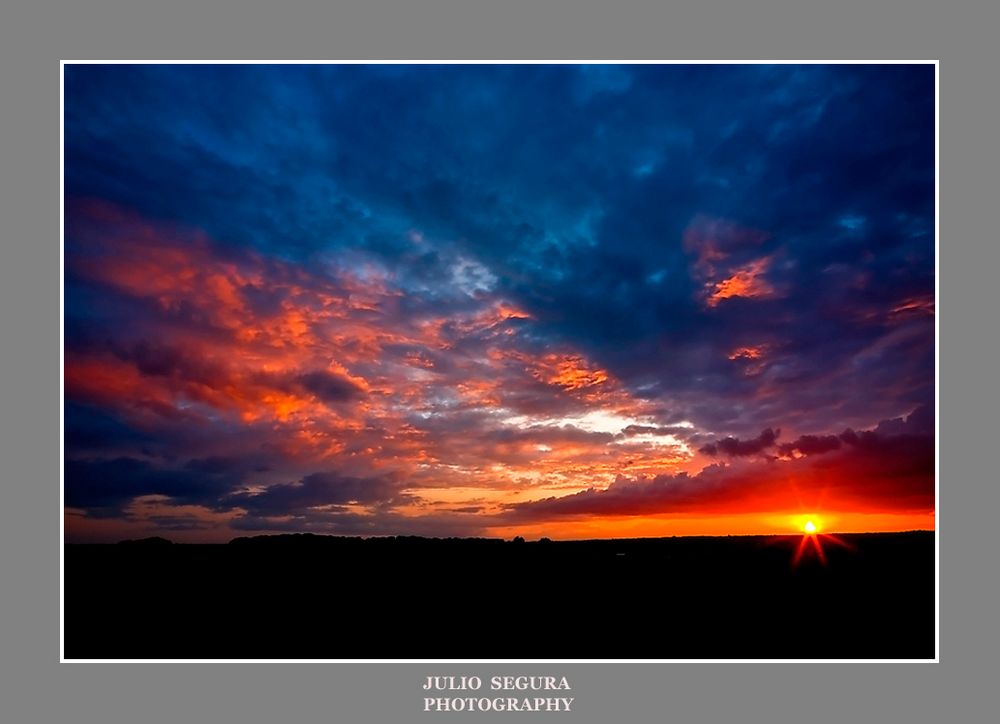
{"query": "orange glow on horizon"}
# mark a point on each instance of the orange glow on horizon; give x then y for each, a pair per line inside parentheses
(736, 524)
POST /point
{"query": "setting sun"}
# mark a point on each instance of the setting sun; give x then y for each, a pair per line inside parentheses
(811, 523)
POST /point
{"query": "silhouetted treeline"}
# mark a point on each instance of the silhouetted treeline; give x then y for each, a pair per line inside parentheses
(312, 596)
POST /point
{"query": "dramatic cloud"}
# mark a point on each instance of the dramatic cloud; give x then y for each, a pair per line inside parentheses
(810, 445)
(394, 299)
(330, 387)
(317, 490)
(741, 448)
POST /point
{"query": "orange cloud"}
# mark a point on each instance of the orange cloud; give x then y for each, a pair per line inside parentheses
(569, 372)
(747, 281)
(748, 353)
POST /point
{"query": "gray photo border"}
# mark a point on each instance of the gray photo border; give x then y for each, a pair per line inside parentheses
(34, 686)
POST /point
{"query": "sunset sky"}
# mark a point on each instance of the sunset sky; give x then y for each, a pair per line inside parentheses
(563, 301)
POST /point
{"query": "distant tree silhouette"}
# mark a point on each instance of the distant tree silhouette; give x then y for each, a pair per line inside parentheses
(518, 539)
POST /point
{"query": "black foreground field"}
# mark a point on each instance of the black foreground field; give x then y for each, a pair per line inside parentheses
(418, 598)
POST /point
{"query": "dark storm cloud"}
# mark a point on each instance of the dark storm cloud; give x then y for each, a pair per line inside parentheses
(110, 483)
(161, 360)
(811, 445)
(733, 447)
(319, 489)
(329, 387)
(89, 427)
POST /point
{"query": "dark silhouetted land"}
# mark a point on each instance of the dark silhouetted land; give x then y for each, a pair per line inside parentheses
(331, 597)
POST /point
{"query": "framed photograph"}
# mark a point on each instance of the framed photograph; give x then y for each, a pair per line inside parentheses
(499, 361)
